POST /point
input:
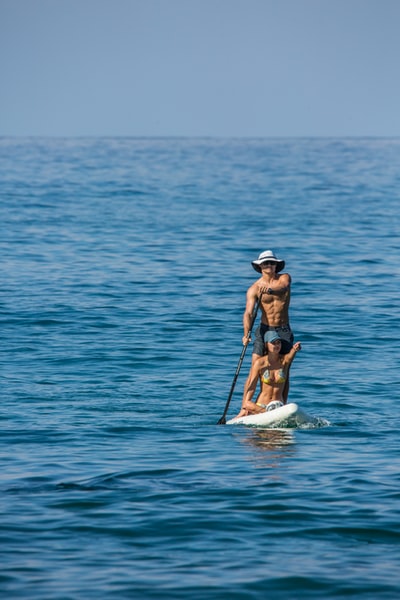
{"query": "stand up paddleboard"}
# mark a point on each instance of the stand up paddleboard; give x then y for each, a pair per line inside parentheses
(289, 415)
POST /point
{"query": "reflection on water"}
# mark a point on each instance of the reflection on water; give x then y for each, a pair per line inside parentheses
(270, 439)
(271, 447)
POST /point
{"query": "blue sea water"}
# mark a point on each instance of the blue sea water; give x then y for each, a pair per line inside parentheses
(125, 264)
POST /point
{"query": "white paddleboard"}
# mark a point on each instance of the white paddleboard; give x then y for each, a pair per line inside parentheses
(289, 415)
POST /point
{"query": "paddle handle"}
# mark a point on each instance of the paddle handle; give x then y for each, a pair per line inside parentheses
(222, 420)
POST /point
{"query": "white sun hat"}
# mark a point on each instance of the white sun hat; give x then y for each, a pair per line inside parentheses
(268, 255)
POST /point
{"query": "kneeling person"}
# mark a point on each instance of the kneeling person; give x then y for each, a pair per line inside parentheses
(271, 371)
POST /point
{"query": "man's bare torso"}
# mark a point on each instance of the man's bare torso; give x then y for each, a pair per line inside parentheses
(274, 306)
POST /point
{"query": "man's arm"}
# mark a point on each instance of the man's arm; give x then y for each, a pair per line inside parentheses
(251, 299)
(284, 285)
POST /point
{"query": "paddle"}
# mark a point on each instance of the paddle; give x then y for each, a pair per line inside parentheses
(222, 420)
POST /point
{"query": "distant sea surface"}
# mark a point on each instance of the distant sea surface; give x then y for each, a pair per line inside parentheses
(124, 269)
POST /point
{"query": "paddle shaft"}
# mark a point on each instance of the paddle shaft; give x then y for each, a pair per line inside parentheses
(222, 420)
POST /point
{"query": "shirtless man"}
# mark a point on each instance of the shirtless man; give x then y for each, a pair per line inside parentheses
(274, 289)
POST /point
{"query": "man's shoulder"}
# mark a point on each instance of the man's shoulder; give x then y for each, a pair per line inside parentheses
(255, 286)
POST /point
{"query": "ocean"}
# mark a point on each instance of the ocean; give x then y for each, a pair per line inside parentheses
(125, 264)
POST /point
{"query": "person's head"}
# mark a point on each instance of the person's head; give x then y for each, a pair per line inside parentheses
(268, 260)
(272, 340)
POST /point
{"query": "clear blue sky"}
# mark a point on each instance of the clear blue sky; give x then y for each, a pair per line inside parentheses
(200, 67)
